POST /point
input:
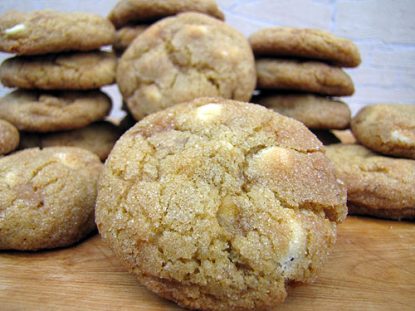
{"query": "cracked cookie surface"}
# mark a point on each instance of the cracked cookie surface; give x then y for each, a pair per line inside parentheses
(185, 57)
(376, 185)
(316, 112)
(305, 43)
(40, 111)
(70, 71)
(9, 137)
(306, 76)
(47, 31)
(47, 197)
(387, 128)
(218, 204)
(139, 11)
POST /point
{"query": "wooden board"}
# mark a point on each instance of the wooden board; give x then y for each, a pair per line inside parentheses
(371, 268)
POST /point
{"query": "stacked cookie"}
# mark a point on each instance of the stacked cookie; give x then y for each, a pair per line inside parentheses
(299, 73)
(380, 185)
(58, 70)
(132, 17)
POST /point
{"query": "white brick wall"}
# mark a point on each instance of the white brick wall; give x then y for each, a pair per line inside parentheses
(384, 30)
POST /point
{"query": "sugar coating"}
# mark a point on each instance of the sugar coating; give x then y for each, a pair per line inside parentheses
(376, 185)
(220, 214)
(387, 128)
(47, 197)
(184, 57)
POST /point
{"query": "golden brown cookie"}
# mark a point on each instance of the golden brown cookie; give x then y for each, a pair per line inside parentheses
(314, 111)
(376, 185)
(126, 35)
(305, 43)
(9, 137)
(184, 57)
(47, 197)
(70, 71)
(141, 11)
(218, 205)
(37, 111)
(98, 138)
(47, 31)
(387, 128)
(307, 76)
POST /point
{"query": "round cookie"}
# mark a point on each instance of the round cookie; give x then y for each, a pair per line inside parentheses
(71, 71)
(141, 11)
(307, 76)
(36, 111)
(387, 128)
(9, 137)
(126, 35)
(218, 204)
(47, 31)
(305, 43)
(376, 185)
(315, 112)
(47, 197)
(98, 138)
(185, 57)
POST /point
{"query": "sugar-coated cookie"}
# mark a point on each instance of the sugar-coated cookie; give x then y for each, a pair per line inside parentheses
(9, 137)
(218, 204)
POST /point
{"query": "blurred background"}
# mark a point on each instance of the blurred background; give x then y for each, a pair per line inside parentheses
(384, 31)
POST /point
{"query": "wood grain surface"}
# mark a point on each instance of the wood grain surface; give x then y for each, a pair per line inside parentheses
(371, 268)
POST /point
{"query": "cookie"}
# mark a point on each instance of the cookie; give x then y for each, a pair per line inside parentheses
(326, 136)
(9, 137)
(376, 185)
(387, 128)
(98, 138)
(305, 43)
(144, 11)
(218, 204)
(71, 71)
(306, 76)
(314, 111)
(47, 31)
(184, 57)
(126, 35)
(37, 111)
(47, 197)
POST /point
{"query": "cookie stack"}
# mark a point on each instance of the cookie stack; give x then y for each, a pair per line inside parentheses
(58, 70)
(379, 181)
(132, 17)
(299, 72)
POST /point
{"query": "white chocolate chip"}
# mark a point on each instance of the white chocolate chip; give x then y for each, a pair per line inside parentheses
(15, 29)
(209, 112)
(296, 247)
(398, 137)
(275, 154)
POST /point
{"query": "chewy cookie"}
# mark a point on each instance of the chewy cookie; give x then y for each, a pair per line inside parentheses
(307, 76)
(387, 128)
(9, 137)
(36, 111)
(315, 112)
(142, 11)
(184, 57)
(47, 197)
(216, 190)
(305, 43)
(376, 185)
(98, 138)
(42, 32)
(71, 71)
(126, 35)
